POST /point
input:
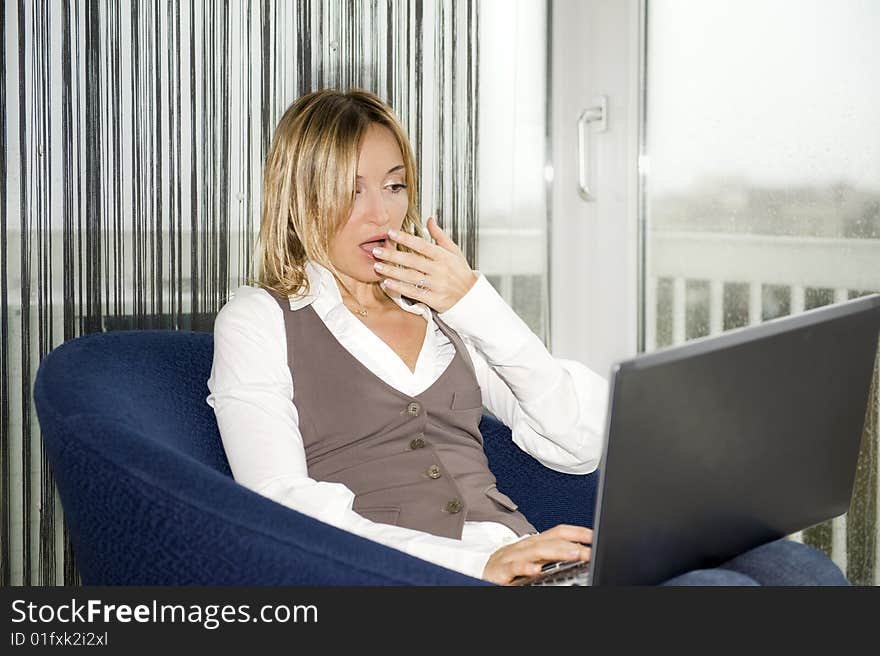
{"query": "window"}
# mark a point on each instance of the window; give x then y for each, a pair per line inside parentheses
(512, 127)
(762, 183)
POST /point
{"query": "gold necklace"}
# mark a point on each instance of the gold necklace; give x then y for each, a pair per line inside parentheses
(362, 311)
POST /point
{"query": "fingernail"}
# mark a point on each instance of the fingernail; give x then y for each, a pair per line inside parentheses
(378, 266)
(392, 233)
(377, 251)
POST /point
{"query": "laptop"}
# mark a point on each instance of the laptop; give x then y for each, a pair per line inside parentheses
(725, 443)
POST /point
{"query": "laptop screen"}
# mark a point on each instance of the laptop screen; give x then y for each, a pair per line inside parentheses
(724, 443)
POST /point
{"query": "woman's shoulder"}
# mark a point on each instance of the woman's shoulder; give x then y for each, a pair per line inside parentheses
(249, 339)
(249, 304)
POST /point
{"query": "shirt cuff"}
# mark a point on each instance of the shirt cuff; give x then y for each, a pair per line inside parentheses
(473, 563)
(486, 319)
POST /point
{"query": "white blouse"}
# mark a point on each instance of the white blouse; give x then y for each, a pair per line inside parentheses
(554, 407)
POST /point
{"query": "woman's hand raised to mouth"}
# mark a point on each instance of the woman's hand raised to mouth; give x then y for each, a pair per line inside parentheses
(437, 275)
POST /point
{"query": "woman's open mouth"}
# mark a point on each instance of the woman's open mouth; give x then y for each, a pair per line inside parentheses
(368, 246)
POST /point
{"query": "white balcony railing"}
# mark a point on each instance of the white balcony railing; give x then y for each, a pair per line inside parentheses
(799, 263)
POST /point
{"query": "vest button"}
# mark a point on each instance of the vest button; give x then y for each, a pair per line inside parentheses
(417, 443)
(433, 471)
(454, 506)
(413, 409)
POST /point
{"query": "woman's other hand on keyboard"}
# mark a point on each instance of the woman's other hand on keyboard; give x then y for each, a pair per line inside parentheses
(526, 556)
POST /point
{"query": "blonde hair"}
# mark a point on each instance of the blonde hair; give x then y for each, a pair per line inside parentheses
(309, 182)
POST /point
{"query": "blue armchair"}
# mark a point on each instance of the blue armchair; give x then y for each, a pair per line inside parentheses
(149, 498)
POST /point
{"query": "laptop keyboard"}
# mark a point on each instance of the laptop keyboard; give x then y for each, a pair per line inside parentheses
(574, 573)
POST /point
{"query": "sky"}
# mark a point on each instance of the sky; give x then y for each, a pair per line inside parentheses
(770, 91)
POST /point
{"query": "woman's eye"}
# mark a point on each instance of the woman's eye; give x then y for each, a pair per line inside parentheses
(396, 188)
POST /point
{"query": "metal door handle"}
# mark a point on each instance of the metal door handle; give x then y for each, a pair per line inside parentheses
(596, 114)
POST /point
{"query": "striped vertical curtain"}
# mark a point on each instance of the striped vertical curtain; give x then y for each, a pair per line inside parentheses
(133, 136)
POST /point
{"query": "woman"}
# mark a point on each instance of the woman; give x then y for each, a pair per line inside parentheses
(360, 329)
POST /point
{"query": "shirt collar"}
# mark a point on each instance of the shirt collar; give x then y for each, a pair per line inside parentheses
(324, 294)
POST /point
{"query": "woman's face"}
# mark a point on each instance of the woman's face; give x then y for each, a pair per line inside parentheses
(380, 205)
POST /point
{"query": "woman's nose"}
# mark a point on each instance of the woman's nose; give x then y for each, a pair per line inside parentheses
(375, 209)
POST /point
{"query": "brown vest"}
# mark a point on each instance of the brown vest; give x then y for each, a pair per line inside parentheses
(412, 461)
